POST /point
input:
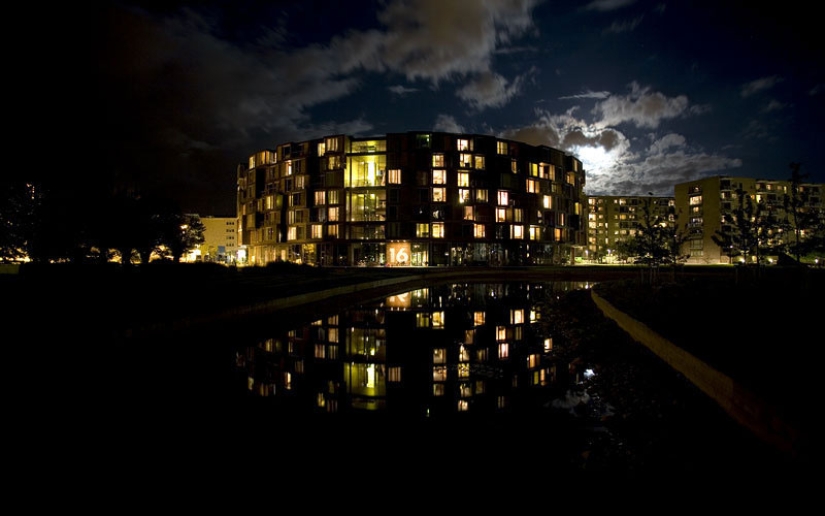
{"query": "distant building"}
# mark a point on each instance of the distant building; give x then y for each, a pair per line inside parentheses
(615, 219)
(220, 241)
(707, 207)
(415, 198)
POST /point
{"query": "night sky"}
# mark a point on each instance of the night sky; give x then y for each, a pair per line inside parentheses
(646, 93)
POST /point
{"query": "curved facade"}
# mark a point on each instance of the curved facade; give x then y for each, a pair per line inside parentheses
(411, 199)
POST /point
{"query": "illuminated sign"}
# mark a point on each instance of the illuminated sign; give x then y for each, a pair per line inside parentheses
(398, 253)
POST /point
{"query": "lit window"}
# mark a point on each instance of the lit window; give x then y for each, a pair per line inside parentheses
(532, 186)
(320, 351)
(439, 194)
(469, 213)
(464, 145)
(501, 214)
(320, 198)
(501, 147)
(394, 374)
(517, 316)
(422, 230)
(478, 230)
(478, 162)
(464, 370)
(317, 231)
(438, 319)
(478, 318)
(503, 350)
(394, 176)
(332, 231)
(422, 320)
(481, 195)
(438, 230)
(465, 160)
(438, 160)
(439, 356)
(501, 333)
(463, 406)
(463, 179)
(503, 198)
(332, 214)
(517, 232)
(463, 195)
(439, 177)
(440, 373)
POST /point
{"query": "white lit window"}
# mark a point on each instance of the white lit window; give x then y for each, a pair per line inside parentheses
(394, 176)
(501, 214)
(463, 179)
(461, 144)
(463, 195)
(439, 177)
(503, 350)
(439, 194)
(517, 316)
(503, 198)
(517, 232)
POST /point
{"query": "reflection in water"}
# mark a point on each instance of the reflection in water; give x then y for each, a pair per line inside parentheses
(477, 348)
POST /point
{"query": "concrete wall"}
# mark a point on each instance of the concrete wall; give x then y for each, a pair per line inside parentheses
(746, 408)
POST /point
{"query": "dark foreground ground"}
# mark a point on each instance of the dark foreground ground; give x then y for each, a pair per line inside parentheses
(639, 424)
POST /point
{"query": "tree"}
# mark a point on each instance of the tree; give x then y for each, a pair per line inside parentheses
(19, 203)
(747, 229)
(802, 219)
(180, 233)
(660, 238)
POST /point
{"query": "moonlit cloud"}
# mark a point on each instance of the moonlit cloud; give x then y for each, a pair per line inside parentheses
(608, 5)
(489, 90)
(758, 85)
(641, 107)
(401, 90)
(184, 88)
(447, 124)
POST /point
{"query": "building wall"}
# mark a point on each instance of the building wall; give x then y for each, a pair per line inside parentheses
(220, 240)
(614, 219)
(707, 205)
(412, 198)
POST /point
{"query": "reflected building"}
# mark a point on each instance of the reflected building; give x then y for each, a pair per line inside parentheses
(472, 348)
(410, 199)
